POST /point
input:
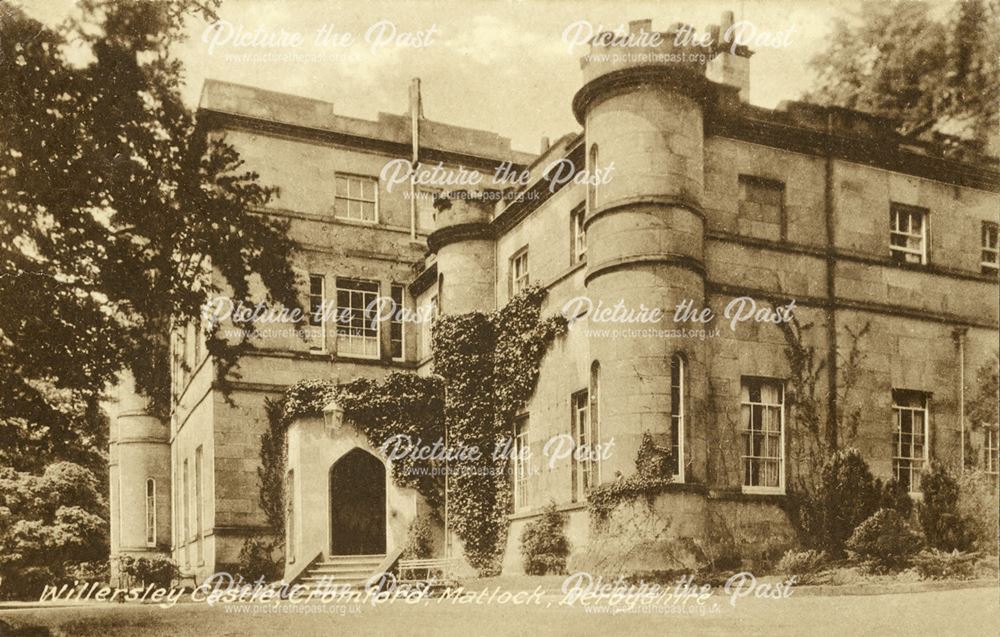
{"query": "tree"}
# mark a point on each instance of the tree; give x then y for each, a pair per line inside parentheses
(48, 524)
(933, 75)
(115, 208)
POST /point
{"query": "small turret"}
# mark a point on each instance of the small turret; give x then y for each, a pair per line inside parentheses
(464, 245)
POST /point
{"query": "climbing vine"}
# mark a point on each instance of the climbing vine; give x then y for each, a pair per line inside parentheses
(653, 473)
(487, 367)
(402, 404)
(489, 363)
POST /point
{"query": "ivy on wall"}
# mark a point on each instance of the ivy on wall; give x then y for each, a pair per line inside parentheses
(402, 404)
(653, 473)
(487, 367)
(490, 364)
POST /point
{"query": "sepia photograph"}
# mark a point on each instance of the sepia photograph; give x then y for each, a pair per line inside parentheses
(499, 317)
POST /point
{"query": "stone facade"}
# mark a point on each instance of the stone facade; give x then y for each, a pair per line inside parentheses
(711, 199)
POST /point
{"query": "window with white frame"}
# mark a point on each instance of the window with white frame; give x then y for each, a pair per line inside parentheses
(677, 415)
(578, 242)
(762, 412)
(519, 278)
(356, 198)
(908, 233)
(990, 450)
(396, 322)
(357, 318)
(317, 310)
(990, 257)
(522, 463)
(910, 436)
(583, 467)
(150, 512)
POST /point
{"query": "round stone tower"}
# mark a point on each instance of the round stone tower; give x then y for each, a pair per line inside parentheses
(641, 107)
(139, 466)
(464, 246)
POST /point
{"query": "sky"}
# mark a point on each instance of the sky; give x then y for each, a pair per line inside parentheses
(502, 66)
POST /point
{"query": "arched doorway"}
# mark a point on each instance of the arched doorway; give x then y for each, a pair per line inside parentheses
(357, 505)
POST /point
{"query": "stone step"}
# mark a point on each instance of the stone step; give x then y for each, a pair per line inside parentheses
(360, 571)
(323, 582)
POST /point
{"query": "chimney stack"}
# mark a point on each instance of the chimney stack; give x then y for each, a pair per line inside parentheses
(545, 144)
(731, 64)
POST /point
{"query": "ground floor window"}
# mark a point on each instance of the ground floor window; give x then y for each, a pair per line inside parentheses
(584, 469)
(522, 463)
(150, 512)
(990, 451)
(762, 414)
(910, 436)
(677, 384)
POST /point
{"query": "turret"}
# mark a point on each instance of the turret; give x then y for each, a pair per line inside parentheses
(464, 245)
(641, 107)
(139, 459)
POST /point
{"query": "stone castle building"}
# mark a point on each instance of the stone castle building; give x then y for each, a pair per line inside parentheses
(888, 249)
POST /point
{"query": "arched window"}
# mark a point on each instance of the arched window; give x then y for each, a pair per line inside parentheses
(591, 182)
(150, 512)
(678, 389)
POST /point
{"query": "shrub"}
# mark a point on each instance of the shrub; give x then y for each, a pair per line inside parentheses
(90, 572)
(944, 528)
(257, 560)
(803, 565)
(847, 495)
(935, 564)
(895, 496)
(884, 542)
(420, 537)
(156, 570)
(544, 546)
(977, 504)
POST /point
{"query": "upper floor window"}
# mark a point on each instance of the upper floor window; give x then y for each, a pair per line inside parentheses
(357, 318)
(990, 259)
(396, 322)
(578, 242)
(583, 467)
(910, 435)
(990, 450)
(761, 206)
(150, 512)
(317, 300)
(356, 198)
(762, 412)
(592, 183)
(677, 416)
(522, 463)
(908, 233)
(519, 278)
